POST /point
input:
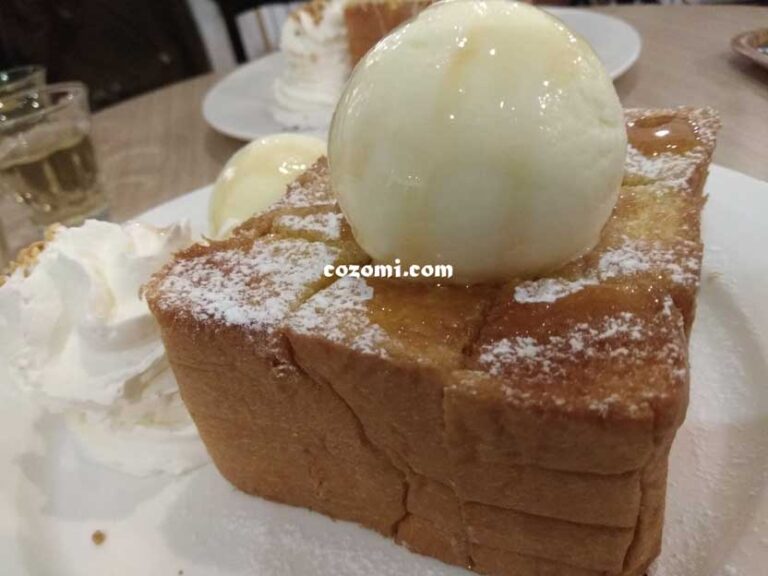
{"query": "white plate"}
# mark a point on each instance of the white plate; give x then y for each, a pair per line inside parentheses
(239, 105)
(717, 518)
(615, 42)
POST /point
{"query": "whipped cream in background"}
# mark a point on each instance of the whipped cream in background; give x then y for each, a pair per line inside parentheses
(317, 67)
(76, 334)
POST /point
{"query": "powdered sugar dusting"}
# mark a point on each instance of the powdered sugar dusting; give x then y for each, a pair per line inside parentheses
(580, 339)
(311, 189)
(636, 257)
(256, 287)
(340, 314)
(548, 290)
(508, 352)
(680, 264)
(665, 171)
(673, 171)
(623, 340)
(324, 225)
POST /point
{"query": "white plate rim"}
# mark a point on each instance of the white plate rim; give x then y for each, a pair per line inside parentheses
(747, 562)
(632, 33)
(269, 66)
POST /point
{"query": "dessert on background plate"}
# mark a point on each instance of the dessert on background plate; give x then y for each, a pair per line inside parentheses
(515, 421)
(292, 89)
(322, 41)
(317, 64)
(77, 336)
(368, 21)
(256, 176)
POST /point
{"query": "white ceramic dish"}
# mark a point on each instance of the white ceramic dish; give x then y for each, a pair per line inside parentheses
(616, 42)
(51, 500)
(240, 104)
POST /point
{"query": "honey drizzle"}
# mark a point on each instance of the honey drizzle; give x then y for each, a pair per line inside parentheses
(447, 315)
(656, 135)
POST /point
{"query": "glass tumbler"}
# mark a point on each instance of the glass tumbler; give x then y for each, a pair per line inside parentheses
(47, 159)
(21, 78)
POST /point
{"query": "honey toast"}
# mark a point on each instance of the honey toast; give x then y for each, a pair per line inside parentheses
(521, 428)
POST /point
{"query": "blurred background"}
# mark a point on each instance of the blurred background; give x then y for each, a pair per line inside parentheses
(111, 107)
(120, 49)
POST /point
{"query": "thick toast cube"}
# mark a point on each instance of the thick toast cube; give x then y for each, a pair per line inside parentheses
(515, 429)
(589, 383)
(424, 537)
(370, 342)
(244, 392)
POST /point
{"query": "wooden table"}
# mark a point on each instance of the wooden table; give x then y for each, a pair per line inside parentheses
(687, 59)
(158, 146)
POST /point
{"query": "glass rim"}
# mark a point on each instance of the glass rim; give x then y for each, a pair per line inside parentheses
(73, 89)
(25, 70)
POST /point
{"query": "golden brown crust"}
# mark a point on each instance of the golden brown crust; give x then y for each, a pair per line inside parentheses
(424, 537)
(496, 562)
(520, 429)
(315, 9)
(274, 432)
(586, 546)
(369, 22)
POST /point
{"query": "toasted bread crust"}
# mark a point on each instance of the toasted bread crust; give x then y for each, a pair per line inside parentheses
(369, 22)
(515, 429)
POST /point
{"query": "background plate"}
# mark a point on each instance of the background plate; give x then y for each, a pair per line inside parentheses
(240, 104)
(616, 42)
(51, 500)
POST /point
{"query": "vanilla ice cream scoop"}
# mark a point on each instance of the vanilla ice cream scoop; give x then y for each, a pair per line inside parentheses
(257, 175)
(484, 135)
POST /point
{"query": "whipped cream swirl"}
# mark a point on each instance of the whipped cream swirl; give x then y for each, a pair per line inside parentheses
(316, 68)
(76, 334)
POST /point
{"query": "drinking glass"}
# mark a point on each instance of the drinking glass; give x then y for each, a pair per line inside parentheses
(47, 159)
(21, 78)
(3, 250)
